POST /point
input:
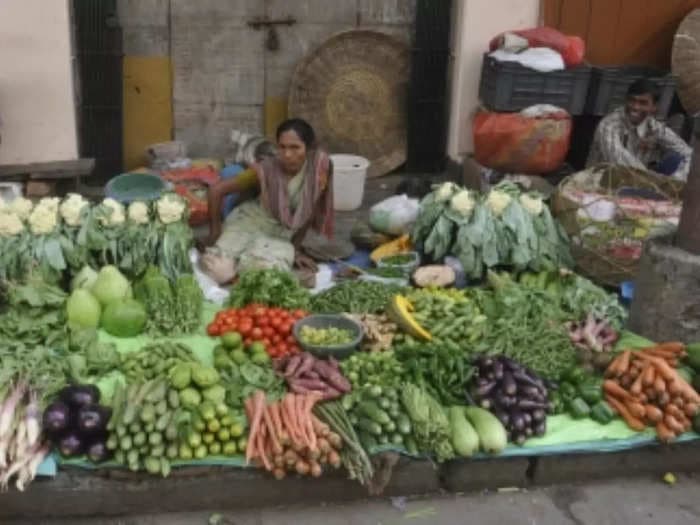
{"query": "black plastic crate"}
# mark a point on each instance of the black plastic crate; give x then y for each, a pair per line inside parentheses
(609, 86)
(509, 86)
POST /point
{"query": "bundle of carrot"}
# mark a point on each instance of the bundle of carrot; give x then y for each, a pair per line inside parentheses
(286, 437)
(645, 389)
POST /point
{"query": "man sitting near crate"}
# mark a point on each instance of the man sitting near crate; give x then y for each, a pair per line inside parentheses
(632, 136)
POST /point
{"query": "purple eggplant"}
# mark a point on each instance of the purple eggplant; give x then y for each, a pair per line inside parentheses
(98, 452)
(498, 370)
(509, 385)
(503, 417)
(540, 428)
(519, 439)
(517, 420)
(56, 418)
(93, 419)
(527, 418)
(528, 404)
(78, 396)
(529, 432)
(71, 445)
(485, 389)
(486, 404)
(538, 415)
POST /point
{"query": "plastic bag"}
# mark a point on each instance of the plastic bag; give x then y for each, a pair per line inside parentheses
(517, 143)
(571, 48)
(395, 215)
(538, 58)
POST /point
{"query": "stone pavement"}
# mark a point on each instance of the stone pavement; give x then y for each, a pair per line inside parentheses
(642, 501)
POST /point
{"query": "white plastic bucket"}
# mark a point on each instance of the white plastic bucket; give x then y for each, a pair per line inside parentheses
(349, 174)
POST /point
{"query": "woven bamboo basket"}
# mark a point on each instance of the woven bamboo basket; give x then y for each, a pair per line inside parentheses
(685, 61)
(607, 249)
(352, 89)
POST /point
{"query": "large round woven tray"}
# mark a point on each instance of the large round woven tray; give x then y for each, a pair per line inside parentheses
(352, 90)
(596, 264)
(685, 61)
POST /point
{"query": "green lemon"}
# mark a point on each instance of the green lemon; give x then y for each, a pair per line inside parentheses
(257, 348)
(232, 340)
(239, 356)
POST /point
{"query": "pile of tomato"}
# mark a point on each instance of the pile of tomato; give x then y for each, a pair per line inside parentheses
(270, 326)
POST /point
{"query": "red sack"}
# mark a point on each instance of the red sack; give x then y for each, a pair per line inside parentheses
(192, 184)
(571, 48)
(514, 143)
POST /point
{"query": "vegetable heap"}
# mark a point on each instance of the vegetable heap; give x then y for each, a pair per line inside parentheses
(77, 424)
(271, 287)
(285, 436)
(359, 297)
(503, 228)
(270, 326)
(59, 235)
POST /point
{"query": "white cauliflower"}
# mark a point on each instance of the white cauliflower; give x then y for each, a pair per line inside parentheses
(72, 208)
(463, 203)
(113, 213)
(498, 201)
(50, 203)
(532, 204)
(445, 191)
(138, 212)
(10, 224)
(170, 208)
(21, 207)
(44, 218)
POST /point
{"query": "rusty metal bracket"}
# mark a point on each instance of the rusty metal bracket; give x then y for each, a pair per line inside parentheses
(264, 21)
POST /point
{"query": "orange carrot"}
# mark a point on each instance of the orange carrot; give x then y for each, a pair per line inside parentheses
(674, 411)
(636, 387)
(664, 433)
(619, 365)
(272, 432)
(674, 347)
(690, 409)
(659, 384)
(257, 407)
(673, 387)
(615, 390)
(648, 376)
(653, 413)
(636, 409)
(282, 436)
(632, 422)
(672, 423)
(662, 367)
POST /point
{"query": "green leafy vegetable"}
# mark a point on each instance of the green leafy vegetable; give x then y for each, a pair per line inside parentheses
(269, 287)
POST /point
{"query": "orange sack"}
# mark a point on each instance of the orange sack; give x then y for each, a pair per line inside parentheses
(516, 143)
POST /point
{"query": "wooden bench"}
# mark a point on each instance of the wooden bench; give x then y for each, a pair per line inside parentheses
(48, 177)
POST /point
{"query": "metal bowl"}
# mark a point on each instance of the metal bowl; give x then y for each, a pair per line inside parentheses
(330, 321)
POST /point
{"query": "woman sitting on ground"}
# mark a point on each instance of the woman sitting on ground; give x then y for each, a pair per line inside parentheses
(295, 195)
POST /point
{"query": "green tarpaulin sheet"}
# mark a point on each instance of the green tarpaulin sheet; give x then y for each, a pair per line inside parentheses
(564, 434)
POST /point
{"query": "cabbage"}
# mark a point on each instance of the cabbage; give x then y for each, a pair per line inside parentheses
(110, 286)
(124, 318)
(83, 309)
(85, 278)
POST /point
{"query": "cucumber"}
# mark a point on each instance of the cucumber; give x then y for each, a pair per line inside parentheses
(367, 440)
(385, 403)
(383, 439)
(370, 426)
(464, 438)
(411, 446)
(397, 439)
(389, 427)
(403, 424)
(374, 412)
(492, 435)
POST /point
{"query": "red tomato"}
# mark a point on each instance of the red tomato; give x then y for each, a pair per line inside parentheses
(283, 348)
(275, 322)
(245, 328)
(233, 325)
(256, 333)
(285, 328)
(247, 341)
(294, 349)
(262, 321)
(213, 329)
(299, 314)
(291, 340)
(266, 342)
(268, 332)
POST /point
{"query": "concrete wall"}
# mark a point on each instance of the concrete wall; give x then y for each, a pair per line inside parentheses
(475, 23)
(37, 105)
(223, 76)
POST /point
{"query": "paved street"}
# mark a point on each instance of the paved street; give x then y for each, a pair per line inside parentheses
(635, 502)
